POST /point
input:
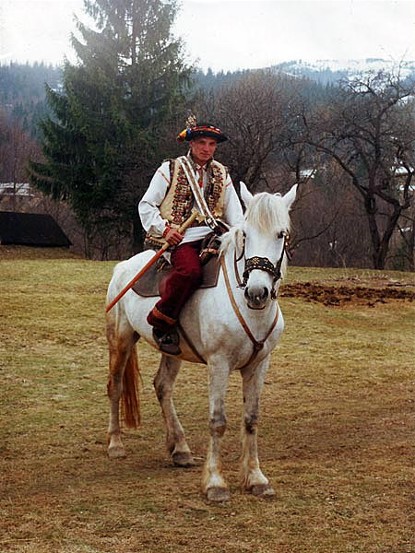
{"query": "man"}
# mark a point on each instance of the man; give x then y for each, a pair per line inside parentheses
(165, 206)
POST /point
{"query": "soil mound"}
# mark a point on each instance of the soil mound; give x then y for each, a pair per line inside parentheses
(349, 292)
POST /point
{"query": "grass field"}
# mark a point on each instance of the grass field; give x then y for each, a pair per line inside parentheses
(337, 430)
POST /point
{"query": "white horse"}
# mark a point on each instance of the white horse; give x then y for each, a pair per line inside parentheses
(234, 326)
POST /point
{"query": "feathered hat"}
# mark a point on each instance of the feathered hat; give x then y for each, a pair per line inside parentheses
(194, 130)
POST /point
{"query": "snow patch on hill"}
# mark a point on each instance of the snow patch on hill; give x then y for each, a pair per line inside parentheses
(334, 70)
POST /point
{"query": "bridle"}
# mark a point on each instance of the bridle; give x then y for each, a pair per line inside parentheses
(262, 264)
(252, 263)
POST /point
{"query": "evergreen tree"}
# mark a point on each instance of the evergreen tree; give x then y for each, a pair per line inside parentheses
(106, 135)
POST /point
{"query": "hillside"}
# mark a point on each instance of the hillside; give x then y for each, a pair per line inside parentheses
(331, 71)
(23, 92)
(22, 86)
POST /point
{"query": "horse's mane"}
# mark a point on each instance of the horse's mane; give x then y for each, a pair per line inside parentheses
(268, 213)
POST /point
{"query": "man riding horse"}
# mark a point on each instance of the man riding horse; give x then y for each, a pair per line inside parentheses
(176, 188)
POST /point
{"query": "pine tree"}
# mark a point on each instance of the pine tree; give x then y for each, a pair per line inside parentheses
(106, 135)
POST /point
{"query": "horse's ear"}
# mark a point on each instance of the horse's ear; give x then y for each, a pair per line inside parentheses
(289, 197)
(245, 194)
(239, 242)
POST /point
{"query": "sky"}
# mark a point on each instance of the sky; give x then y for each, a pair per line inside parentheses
(227, 35)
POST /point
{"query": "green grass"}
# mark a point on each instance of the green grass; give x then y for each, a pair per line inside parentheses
(337, 431)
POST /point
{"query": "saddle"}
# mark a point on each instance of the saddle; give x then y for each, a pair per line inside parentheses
(152, 282)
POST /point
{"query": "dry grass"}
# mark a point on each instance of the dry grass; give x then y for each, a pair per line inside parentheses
(336, 436)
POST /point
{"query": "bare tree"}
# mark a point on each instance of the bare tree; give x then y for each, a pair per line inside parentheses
(329, 222)
(369, 130)
(253, 110)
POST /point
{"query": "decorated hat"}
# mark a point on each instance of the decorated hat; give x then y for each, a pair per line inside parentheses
(194, 130)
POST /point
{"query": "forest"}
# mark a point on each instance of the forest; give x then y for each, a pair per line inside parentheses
(89, 136)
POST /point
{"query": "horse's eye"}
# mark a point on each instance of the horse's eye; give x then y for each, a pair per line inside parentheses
(281, 235)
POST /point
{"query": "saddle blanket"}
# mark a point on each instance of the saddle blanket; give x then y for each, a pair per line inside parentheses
(151, 282)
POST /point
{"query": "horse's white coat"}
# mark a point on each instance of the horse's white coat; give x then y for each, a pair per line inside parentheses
(211, 323)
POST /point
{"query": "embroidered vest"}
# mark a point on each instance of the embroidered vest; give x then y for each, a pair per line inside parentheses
(178, 202)
(177, 205)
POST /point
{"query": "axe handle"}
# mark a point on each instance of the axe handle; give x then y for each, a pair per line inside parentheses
(150, 262)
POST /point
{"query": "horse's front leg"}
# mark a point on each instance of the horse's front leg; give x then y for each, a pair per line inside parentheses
(175, 437)
(213, 483)
(252, 478)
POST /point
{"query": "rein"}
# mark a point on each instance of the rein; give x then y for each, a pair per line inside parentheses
(257, 344)
(252, 263)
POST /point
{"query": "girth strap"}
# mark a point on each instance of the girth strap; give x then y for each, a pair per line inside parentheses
(190, 343)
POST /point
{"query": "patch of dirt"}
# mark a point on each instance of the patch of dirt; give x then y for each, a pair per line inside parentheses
(351, 291)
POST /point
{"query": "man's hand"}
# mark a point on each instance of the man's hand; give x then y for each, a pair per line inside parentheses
(172, 237)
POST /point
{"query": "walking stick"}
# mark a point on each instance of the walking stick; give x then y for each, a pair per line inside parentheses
(151, 262)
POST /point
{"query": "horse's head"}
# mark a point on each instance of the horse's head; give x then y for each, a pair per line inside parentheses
(265, 231)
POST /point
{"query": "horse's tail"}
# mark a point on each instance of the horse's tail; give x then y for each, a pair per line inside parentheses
(130, 393)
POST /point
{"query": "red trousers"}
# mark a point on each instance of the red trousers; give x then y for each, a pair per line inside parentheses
(182, 281)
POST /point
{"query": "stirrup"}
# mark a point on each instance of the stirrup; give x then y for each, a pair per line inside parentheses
(167, 342)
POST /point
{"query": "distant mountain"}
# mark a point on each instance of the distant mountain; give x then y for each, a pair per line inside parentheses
(331, 71)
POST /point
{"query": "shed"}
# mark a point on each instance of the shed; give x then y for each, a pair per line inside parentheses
(31, 229)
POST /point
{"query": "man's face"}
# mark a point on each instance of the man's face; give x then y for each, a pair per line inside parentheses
(203, 149)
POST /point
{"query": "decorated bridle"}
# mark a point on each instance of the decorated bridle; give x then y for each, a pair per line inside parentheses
(262, 264)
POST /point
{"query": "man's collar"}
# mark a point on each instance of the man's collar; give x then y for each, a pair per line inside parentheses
(195, 165)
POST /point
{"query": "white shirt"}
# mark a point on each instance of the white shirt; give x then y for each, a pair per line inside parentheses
(149, 211)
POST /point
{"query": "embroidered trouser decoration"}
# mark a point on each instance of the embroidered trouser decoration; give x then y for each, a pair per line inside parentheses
(183, 280)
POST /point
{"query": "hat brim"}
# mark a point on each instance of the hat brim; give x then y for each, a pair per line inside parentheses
(200, 132)
(219, 137)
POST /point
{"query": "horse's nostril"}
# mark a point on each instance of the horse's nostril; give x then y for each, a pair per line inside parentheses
(256, 296)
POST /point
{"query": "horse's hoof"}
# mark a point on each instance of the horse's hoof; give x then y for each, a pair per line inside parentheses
(262, 490)
(116, 452)
(183, 459)
(218, 495)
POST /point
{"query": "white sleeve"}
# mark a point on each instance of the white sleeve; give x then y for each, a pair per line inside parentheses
(233, 213)
(148, 208)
